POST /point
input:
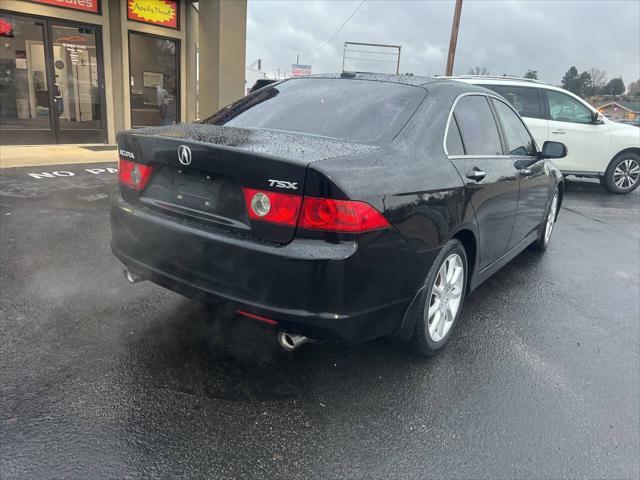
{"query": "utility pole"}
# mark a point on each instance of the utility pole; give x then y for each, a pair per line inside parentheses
(455, 26)
(298, 59)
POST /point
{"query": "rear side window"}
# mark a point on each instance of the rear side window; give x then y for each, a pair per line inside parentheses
(477, 126)
(524, 99)
(344, 109)
(454, 140)
(519, 142)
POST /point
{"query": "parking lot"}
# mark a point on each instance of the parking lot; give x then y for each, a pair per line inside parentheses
(100, 378)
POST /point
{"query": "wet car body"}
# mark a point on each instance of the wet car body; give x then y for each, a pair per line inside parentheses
(339, 285)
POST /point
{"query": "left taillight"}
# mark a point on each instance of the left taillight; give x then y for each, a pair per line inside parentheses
(133, 175)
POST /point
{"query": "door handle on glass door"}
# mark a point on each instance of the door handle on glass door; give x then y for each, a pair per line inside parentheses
(476, 174)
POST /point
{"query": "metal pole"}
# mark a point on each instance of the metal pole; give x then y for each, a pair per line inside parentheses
(344, 51)
(454, 37)
(298, 59)
(398, 65)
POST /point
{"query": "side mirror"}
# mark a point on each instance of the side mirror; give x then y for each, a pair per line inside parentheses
(553, 150)
(597, 118)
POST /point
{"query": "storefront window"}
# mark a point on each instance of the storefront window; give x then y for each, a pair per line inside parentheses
(153, 66)
(24, 95)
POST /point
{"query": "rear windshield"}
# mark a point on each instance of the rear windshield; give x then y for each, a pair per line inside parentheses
(351, 110)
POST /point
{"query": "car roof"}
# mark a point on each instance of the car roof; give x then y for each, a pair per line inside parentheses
(481, 80)
(503, 80)
(413, 80)
(424, 80)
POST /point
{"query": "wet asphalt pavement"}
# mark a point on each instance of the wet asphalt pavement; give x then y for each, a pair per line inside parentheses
(100, 379)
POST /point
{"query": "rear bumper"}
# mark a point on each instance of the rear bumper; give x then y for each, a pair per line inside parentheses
(344, 290)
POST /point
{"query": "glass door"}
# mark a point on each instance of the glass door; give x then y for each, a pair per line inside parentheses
(25, 115)
(77, 84)
(51, 82)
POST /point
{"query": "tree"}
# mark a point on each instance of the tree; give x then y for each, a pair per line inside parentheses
(598, 80)
(479, 71)
(570, 79)
(615, 86)
(576, 83)
(634, 88)
(585, 84)
(532, 74)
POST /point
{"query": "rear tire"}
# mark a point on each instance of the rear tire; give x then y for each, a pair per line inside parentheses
(445, 288)
(546, 227)
(623, 173)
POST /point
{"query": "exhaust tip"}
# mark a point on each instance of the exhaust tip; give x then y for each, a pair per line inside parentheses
(291, 341)
(132, 277)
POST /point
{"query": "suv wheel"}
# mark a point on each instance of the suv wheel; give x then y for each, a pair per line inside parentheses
(623, 173)
(445, 289)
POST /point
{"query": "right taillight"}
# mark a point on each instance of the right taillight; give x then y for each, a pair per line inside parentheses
(340, 216)
(313, 213)
(133, 175)
(272, 207)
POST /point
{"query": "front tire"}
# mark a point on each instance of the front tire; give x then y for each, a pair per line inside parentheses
(445, 289)
(623, 173)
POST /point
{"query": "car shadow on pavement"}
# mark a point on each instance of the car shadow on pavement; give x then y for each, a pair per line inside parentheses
(209, 352)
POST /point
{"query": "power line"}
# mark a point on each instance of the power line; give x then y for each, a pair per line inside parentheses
(338, 30)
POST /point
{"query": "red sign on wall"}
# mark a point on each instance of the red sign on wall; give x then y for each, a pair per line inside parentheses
(6, 28)
(156, 12)
(92, 6)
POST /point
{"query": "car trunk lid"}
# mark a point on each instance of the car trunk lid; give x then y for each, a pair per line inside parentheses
(199, 172)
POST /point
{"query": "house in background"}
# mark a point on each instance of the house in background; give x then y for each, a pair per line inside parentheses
(620, 110)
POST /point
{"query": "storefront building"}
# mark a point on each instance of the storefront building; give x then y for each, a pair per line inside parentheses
(79, 71)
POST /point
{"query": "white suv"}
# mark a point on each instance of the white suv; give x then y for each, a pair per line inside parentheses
(597, 146)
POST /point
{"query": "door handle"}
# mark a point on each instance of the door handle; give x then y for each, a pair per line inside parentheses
(558, 132)
(476, 174)
(525, 172)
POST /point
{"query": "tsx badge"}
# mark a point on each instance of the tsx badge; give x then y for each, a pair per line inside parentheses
(283, 184)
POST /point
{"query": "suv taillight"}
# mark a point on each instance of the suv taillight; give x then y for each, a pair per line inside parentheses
(133, 175)
(312, 213)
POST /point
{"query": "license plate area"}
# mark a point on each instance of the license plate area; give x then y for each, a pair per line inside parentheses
(197, 195)
(196, 190)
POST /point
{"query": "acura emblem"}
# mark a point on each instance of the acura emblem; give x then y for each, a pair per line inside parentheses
(184, 155)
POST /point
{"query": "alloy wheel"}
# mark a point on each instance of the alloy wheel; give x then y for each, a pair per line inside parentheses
(551, 218)
(446, 295)
(626, 174)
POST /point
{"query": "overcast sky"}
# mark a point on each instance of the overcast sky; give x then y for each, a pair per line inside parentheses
(503, 35)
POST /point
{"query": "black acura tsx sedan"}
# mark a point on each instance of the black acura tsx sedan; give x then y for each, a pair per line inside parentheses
(337, 207)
